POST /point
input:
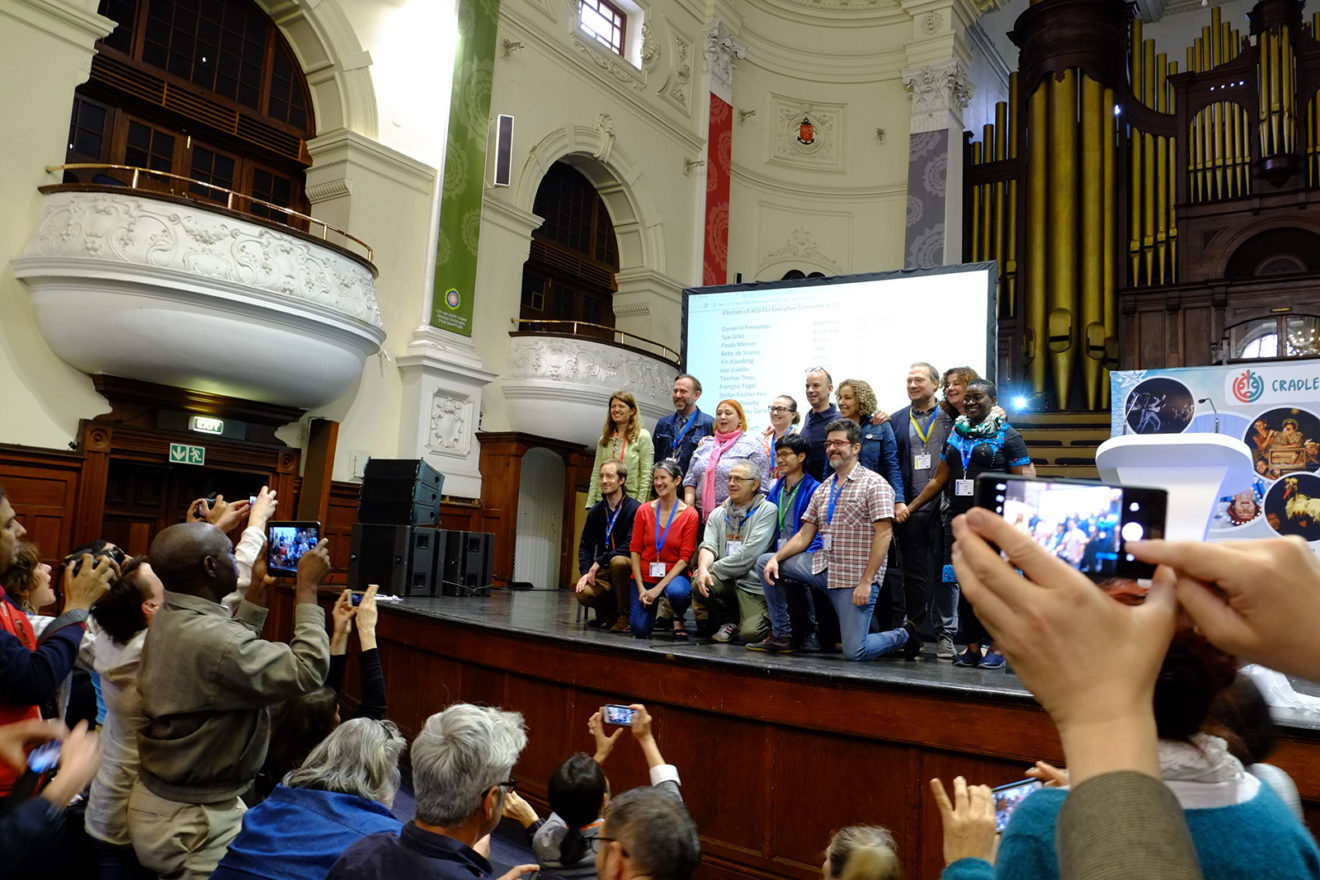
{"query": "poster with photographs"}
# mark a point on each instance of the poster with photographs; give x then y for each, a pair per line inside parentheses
(1273, 408)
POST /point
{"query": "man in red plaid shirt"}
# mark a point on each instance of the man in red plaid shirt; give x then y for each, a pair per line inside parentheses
(853, 511)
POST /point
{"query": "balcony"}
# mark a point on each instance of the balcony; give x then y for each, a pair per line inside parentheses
(561, 374)
(167, 288)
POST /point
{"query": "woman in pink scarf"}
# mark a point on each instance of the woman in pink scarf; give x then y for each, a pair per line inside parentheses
(706, 483)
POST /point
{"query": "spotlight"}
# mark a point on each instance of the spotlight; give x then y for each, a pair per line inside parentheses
(1020, 403)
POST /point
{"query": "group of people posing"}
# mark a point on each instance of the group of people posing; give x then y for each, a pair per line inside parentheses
(787, 540)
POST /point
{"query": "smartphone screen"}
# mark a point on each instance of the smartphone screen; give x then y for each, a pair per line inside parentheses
(1083, 523)
(619, 715)
(1007, 798)
(286, 542)
(44, 757)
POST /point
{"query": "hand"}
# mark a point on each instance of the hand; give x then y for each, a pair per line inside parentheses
(341, 615)
(518, 809)
(91, 583)
(367, 615)
(1049, 775)
(861, 595)
(224, 515)
(1064, 637)
(768, 431)
(17, 739)
(998, 411)
(1259, 599)
(518, 871)
(604, 744)
(771, 571)
(969, 821)
(880, 417)
(312, 570)
(648, 597)
(259, 583)
(581, 585)
(703, 580)
(641, 726)
(80, 755)
(901, 512)
(261, 512)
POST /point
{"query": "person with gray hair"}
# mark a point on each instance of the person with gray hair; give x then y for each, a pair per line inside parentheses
(647, 833)
(342, 792)
(727, 597)
(461, 763)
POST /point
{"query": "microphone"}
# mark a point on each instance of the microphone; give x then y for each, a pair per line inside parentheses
(1213, 409)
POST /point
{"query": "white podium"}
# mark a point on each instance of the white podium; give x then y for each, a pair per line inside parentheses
(1195, 469)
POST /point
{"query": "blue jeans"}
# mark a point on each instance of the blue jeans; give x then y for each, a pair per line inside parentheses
(944, 602)
(859, 643)
(642, 617)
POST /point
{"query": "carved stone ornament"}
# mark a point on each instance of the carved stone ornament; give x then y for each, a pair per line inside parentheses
(825, 150)
(723, 50)
(801, 245)
(937, 92)
(678, 87)
(140, 231)
(651, 51)
(605, 129)
(582, 362)
(450, 432)
(606, 62)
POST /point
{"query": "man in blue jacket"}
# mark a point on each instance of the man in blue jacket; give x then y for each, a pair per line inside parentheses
(677, 435)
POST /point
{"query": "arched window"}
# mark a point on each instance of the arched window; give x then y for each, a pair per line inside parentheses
(205, 90)
(1277, 336)
(569, 273)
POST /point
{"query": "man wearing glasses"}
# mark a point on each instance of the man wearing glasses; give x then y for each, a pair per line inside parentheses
(461, 764)
(822, 413)
(853, 513)
(727, 597)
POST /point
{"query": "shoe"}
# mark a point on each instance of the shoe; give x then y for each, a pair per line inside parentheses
(621, 626)
(992, 660)
(679, 634)
(725, 633)
(663, 623)
(944, 648)
(596, 622)
(810, 645)
(912, 647)
(773, 644)
(969, 657)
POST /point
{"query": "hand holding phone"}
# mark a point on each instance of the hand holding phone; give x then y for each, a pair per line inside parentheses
(616, 714)
(288, 542)
(1007, 798)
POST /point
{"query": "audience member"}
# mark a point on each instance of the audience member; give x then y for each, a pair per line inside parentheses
(920, 430)
(677, 435)
(784, 420)
(251, 542)
(981, 442)
(728, 599)
(706, 483)
(27, 582)
(603, 560)
(625, 441)
(461, 763)
(123, 615)
(1241, 717)
(819, 386)
(371, 677)
(851, 559)
(861, 852)
(660, 558)
(648, 835)
(207, 683)
(341, 793)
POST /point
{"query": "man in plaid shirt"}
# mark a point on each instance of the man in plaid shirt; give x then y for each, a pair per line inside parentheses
(853, 511)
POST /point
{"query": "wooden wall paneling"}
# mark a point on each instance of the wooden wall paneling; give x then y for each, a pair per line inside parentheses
(94, 443)
(501, 458)
(1152, 334)
(1198, 330)
(553, 731)
(337, 526)
(43, 488)
(314, 493)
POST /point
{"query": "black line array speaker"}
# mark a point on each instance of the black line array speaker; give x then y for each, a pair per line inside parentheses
(467, 560)
(401, 492)
(501, 150)
(402, 559)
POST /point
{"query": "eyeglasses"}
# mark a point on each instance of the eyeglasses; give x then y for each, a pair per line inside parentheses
(733, 479)
(835, 444)
(507, 785)
(623, 849)
(776, 410)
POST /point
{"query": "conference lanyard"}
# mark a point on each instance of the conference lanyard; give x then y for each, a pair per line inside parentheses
(786, 502)
(678, 440)
(834, 497)
(625, 447)
(609, 527)
(659, 539)
(967, 453)
(923, 434)
(738, 533)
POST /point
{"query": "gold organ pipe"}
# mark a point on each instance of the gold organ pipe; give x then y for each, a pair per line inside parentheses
(1161, 171)
(976, 208)
(1134, 205)
(1289, 120)
(1226, 41)
(987, 203)
(1148, 75)
(1063, 292)
(1013, 111)
(1218, 147)
(1134, 58)
(1207, 50)
(1010, 250)
(1216, 44)
(1194, 160)
(1037, 223)
(1148, 204)
(1109, 209)
(1093, 237)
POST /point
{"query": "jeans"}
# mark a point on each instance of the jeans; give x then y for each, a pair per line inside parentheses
(944, 605)
(854, 622)
(642, 617)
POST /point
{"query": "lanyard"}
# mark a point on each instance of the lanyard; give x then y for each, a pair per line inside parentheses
(737, 536)
(678, 439)
(659, 539)
(625, 446)
(609, 527)
(786, 501)
(923, 434)
(967, 453)
(834, 497)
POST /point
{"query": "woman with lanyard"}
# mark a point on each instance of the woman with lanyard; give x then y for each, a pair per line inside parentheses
(784, 420)
(707, 480)
(664, 538)
(624, 439)
(981, 442)
(879, 448)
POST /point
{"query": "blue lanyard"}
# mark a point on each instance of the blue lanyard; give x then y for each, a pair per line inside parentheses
(967, 454)
(678, 439)
(834, 497)
(609, 527)
(660, 540)
(746, 516)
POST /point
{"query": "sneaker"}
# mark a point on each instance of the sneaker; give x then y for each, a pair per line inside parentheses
(992, 660)
(912, 647)
(724, 633)
(810, 644)
(970, 657)
(944, 648)
(773, 644)
(621, 625)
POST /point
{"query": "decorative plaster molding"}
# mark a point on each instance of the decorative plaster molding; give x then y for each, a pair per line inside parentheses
(801, 245)
(605, 61)
(938, 92)
(451, 428)
(605, 127)
(324, 192)
(723, 51)
(651, 46)
(825, 152)
(582, 362)
(135, 230)
(677, 87)
(342, 145)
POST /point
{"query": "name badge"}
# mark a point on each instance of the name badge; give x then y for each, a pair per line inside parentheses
(732, 547)
(963, 487)
(921, 461)
(826, 541)
(657, 569)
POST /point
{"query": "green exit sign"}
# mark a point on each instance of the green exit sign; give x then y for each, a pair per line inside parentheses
(183, 453)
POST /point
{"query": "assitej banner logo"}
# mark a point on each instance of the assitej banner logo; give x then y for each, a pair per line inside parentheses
(1273, 385)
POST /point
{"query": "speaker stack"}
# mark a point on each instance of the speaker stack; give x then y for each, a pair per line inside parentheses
(398, 544)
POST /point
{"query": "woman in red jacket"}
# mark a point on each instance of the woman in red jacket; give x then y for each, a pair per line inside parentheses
(664, 538)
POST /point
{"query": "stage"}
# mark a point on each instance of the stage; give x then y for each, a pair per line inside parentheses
(775, 751)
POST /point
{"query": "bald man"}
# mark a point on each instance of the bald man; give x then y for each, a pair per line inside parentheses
(208, 682)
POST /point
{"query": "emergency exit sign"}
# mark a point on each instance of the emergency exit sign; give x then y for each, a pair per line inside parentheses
(183, 453)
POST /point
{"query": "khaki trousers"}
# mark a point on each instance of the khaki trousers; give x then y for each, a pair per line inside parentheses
(177, 840)
(610, 595)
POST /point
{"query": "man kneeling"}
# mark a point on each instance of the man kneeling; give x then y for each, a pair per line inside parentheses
(728, 598)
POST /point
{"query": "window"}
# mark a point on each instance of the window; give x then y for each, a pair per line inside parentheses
(1286, 336)
(604, 22)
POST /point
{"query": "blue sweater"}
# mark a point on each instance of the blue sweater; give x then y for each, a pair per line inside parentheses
(1258, 838)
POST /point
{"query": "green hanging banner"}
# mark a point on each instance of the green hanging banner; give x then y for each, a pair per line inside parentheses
(465, 167)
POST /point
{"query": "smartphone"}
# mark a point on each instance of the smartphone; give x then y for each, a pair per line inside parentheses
(1007, 798)
(621, 715)
(1085, 524)
(252, 499)
(44, 758)
(286, 542)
